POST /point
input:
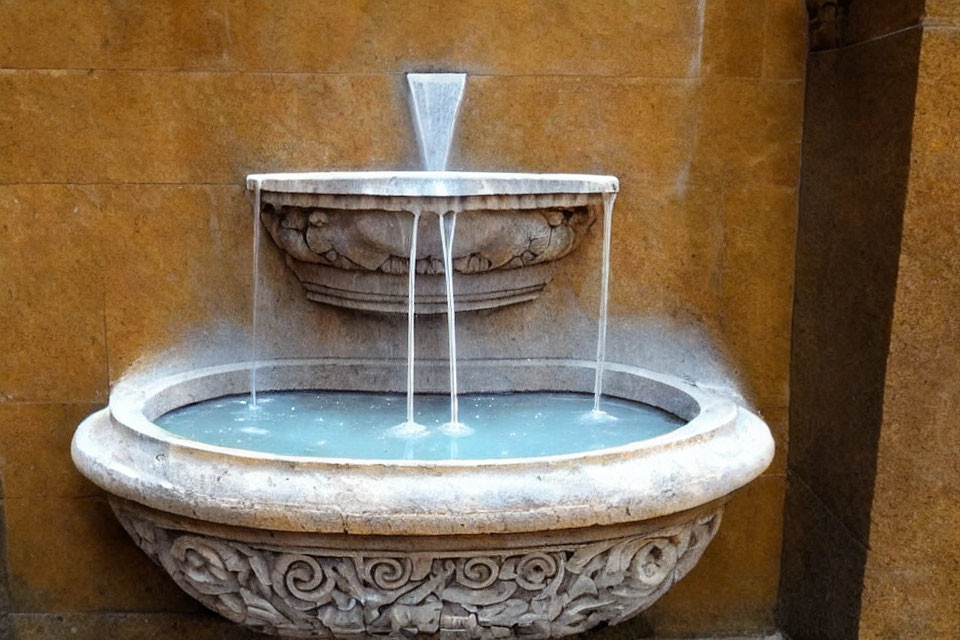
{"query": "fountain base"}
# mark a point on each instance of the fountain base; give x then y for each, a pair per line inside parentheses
(534, 585)
(539, 547)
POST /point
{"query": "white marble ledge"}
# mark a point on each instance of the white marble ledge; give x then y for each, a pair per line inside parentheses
(435, 184)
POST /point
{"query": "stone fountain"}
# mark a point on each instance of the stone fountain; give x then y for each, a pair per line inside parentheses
(314, 544)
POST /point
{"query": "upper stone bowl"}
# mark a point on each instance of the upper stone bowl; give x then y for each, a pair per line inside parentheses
(347, 234)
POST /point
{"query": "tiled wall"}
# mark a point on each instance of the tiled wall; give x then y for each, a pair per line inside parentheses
(126, 130)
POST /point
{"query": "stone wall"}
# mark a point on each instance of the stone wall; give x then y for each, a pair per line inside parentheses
(871, 516)
(857, 130)
(126, 131)
(912, 573)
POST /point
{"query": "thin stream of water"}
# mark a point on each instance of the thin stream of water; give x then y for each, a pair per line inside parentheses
(410, 428)
(411, 292)
(448, 226)
(608, 200)
(256, 282)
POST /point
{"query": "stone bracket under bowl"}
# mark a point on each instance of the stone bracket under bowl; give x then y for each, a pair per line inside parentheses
(347, 235)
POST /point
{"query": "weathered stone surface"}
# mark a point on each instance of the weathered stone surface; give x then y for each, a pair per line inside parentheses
(126, 626)
(319, 586)
(913, 567)
(68, 554)
(855, 179)
(745, 556)
(348, 236)
(838, 23)
(856, 163)
(52, 346)
(822, 568)
(785, 48)
(34, 439)
(196, 128)
(180, 273)
(303, 36)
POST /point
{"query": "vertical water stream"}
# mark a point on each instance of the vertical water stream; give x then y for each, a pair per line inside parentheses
(448, 225)
(411, 291)
(409, 428)
(256, 282)
(608, 200)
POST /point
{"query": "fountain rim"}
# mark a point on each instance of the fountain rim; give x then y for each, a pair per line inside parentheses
(722, 448)
(433, 184)
(129, 401)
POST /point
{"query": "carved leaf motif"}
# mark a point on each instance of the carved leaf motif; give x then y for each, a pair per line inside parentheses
(379, 240)
(479, 597)
(536, 593)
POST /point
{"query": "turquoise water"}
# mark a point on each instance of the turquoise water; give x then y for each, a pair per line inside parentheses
(367, 425)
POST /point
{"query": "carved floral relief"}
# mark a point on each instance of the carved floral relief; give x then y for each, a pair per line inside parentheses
(533, 593)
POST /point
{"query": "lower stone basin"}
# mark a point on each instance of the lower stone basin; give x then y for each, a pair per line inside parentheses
(532, 547)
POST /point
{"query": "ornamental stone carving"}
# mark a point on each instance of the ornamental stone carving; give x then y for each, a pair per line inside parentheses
(355, 252)
(533, 592)
(379, 240)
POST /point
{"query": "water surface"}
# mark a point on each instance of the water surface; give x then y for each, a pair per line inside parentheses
(364, 425)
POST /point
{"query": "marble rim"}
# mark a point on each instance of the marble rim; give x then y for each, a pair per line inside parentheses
(722, 447)
(433, 184)
(135, 406)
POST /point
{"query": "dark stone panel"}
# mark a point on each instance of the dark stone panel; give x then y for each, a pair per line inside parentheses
(856, 161)
(839, 23)
(821, 570)
(6, 630)
(4, 580)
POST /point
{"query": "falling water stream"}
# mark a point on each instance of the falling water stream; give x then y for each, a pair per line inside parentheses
(411, 303)
(448, 226)
(409, 428)
(256, 282)
(608, 200)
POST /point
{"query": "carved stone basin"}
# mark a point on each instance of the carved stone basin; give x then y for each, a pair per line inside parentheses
(526, 547)
(347, 235)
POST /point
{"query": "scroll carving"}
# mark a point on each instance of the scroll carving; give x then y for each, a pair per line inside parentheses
(532, 593)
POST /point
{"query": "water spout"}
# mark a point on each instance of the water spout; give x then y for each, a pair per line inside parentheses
(434, 101)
